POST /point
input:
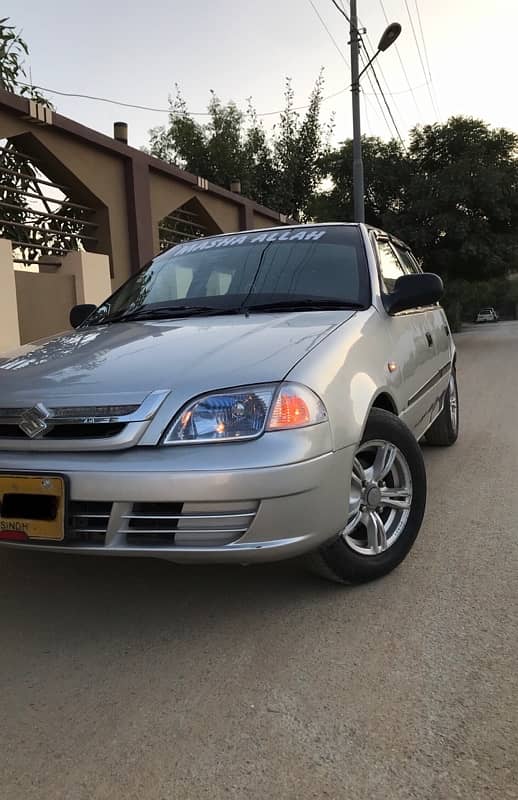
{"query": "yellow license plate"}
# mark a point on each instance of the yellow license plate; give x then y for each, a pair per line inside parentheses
(32, 507)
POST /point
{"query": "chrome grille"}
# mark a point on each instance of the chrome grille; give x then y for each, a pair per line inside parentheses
(82, 431)
(88, 522)
(94, 412)
(187, 524)
(121, 525)
(58, 424)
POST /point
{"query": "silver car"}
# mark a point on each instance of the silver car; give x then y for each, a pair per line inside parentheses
(246, 397)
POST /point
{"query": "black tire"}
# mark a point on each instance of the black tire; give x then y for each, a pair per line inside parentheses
(337, 560)
(445, 430)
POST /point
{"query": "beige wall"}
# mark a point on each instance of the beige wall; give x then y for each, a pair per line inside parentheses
(101, 173)
(97, 173)
(37, 304)
(104, 175)
(44, 303)
(100, 177)
(91, 272)
(9, 333)
(264, 222)
(224, 214)
(168, 195)
(11, 126)
(45, 299)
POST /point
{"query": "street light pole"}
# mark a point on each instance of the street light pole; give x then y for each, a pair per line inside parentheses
(390, 34)
(358, 188)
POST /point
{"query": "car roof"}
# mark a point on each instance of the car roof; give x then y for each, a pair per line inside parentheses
(287, 225)
(384, 235)
(371, 229)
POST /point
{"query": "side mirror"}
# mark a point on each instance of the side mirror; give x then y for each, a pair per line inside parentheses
(80, 313)
(413, 291)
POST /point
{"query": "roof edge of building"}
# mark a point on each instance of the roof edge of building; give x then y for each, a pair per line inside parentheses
(22, 106)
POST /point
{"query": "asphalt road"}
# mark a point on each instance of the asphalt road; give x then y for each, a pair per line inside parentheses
(146, 681)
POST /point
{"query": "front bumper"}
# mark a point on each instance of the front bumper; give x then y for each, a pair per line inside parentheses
(219, 503)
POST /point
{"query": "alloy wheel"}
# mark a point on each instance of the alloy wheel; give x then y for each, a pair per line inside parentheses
(454, 403)
(380, 498)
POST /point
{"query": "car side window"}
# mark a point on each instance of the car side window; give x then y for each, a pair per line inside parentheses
(410, 264)
(390, 267)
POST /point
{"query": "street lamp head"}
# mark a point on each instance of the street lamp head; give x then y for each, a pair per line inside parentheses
(389, 36)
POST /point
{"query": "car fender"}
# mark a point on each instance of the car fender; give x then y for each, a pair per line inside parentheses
(349, 371)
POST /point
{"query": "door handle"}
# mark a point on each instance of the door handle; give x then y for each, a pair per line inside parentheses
(429, 339)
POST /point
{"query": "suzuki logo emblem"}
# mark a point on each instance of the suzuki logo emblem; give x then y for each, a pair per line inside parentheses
(34, 421)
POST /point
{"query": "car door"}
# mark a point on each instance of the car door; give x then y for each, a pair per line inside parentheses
(438, 328)
(412, 342)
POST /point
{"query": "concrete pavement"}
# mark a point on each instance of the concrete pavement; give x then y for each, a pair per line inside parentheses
(145, 681)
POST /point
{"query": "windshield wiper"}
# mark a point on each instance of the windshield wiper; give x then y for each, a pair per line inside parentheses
(305, 304)
(170, 312)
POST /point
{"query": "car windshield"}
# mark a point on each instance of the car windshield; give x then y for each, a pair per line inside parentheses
(319, 267)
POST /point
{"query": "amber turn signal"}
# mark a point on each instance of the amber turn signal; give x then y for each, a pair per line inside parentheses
(295, 407)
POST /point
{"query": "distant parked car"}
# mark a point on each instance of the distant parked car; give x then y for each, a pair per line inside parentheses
(487, 315)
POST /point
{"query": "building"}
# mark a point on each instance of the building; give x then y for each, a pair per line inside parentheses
(80, 212)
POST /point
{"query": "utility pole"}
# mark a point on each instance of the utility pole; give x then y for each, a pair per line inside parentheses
(358, 188)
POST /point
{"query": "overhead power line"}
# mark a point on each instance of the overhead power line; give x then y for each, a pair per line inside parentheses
(341, 10)
(387, 106)
(389, 92)
(337, 46)
(435, 110)
(380, 104)
(423, 41)
(425, 49)
(366, 112)
(375, 94)
(359, 33)
(406, 91)
(401, 62)
(166, 110)
(108, 100)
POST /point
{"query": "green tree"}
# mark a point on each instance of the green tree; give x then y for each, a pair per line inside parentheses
(512, 297)
(387, 176)
(461, 209)
(232, 144)
(13, 52)
(300, 150)
(464, 299)
(452, 195)
(282, 171)
(35, 232)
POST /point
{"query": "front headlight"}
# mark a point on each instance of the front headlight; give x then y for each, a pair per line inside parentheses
(245, 413)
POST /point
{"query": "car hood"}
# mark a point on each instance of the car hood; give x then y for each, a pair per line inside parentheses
(132, 359)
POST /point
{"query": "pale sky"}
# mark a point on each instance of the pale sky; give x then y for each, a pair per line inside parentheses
(136, 52)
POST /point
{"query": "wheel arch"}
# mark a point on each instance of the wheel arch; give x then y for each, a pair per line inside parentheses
(382, 400)
(385, 401)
